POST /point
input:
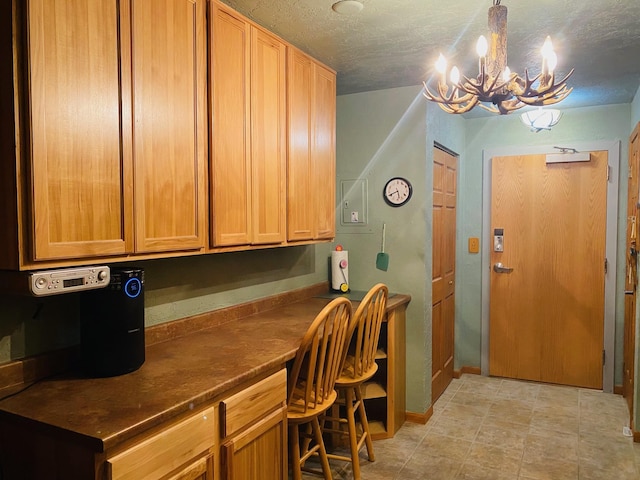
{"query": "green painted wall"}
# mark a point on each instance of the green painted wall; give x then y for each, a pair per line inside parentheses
(380, 135)
(174, 288)
(635, 109)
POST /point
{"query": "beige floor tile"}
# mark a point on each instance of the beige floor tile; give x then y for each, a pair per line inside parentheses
(511, 409)
(502, 434)
(474, 472)
(443, 446)
(520, 390)
(463, 428)
(541, 445)
(433, 468)
(467, 411)
(558, 422)
(558, 395)
(466, 397)
(506, 460)
(549, 469)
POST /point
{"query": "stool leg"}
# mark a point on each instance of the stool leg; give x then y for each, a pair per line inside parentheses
(353, 436)
(365, 424)
(294, 442)
(324, 460)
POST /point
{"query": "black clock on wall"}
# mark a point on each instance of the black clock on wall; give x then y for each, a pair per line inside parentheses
(397, 191)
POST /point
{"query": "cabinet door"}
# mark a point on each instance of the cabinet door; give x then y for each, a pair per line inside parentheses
(230, 173)
(311, 162)
(268, 129)
(300, 181)
(168, 56)
(80, 162)
(258, 452)
(324, 148)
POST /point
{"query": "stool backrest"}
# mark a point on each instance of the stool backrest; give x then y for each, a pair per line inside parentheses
(365, 329)
(321, 355)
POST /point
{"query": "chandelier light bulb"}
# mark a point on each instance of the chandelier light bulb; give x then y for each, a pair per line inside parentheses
(482, 47)
(506, 75)
(552, 61)
(455, 75)
(547, 48)
(441, 64)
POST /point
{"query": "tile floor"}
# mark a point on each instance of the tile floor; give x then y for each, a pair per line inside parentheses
(496, 429)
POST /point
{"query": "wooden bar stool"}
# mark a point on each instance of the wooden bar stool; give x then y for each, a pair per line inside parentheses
(311, 385)
(359, 367)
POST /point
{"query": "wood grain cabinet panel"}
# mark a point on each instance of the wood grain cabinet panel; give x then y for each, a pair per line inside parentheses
(311, 149)
(79, 165)
(110, 123)
(169, 123)
(248, 126)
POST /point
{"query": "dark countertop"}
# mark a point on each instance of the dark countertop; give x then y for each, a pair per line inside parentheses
(177, 376)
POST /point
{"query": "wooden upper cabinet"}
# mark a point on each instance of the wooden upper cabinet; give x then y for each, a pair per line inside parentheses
(230, 173)
(118, 139)
(268, 137)
(311, 148)
(248, 132)
(169, 115)
(324, 152)
(79, 166)
(300, 179)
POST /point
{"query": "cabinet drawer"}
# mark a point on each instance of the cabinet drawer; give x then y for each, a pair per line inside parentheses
(253, 402)
(162, 453)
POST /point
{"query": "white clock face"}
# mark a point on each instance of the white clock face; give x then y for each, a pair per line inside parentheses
(397, 191)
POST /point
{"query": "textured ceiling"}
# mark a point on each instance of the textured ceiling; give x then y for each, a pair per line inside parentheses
(393, 43)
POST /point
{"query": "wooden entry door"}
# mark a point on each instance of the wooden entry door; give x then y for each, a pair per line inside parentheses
(547, 314)
(444, 263)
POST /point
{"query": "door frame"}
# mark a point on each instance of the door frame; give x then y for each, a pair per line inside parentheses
(611, 246)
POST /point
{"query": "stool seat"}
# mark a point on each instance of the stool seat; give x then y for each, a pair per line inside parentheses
(348, 378)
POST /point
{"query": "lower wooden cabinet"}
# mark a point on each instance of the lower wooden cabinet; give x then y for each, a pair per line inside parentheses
(254, 427)
(186, 447)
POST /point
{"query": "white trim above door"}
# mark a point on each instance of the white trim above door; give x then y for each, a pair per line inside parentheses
(613, 149)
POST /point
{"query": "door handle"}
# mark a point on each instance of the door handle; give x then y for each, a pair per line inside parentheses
(499, 268)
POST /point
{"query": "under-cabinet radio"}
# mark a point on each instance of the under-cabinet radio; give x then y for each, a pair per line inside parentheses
(52, 282)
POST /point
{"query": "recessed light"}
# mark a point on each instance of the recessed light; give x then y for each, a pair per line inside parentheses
(347, 7)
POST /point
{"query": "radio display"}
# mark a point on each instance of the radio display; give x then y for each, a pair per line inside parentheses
(73, 282)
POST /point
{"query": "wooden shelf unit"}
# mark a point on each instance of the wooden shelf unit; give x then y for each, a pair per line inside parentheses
(385, 394)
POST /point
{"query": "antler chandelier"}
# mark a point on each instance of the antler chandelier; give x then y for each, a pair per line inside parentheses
(496, 88)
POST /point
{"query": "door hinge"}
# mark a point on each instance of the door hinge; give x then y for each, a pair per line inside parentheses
(606, 266)
(608, 173)
(604, 357)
